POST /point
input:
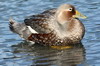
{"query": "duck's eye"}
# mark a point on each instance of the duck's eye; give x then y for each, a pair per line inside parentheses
(70, 9)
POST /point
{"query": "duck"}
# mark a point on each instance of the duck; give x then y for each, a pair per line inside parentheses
(53, 27)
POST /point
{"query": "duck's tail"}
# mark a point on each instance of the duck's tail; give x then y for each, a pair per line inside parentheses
(19, 28)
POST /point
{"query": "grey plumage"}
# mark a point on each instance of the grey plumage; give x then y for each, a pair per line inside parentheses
(19, 28)
(52, 27)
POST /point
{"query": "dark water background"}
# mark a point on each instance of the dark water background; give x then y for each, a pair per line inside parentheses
(14, 51)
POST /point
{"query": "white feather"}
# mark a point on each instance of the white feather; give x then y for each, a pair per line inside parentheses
(32, 30)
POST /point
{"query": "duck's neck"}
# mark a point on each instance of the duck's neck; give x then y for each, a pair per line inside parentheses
(67, 27)
(73, 29)
(62, 17)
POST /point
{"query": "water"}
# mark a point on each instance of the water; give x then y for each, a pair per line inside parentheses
(14, 51)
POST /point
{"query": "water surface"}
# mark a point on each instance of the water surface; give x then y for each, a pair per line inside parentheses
(14, 51)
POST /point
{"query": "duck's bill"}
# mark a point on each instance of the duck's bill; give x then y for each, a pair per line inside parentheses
(79, 15)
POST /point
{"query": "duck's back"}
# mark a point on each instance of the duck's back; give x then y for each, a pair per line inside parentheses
(40, 21)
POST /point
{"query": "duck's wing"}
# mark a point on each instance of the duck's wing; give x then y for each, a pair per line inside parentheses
(40, 21)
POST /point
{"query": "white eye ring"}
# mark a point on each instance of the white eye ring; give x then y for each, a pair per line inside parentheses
(70, 9)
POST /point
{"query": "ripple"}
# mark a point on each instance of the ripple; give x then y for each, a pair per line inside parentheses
(16, 52)
(40, 55)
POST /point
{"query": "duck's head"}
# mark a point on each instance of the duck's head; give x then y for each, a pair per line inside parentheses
(66, 12)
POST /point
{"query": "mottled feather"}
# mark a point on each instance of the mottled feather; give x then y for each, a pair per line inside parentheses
(40, 21)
